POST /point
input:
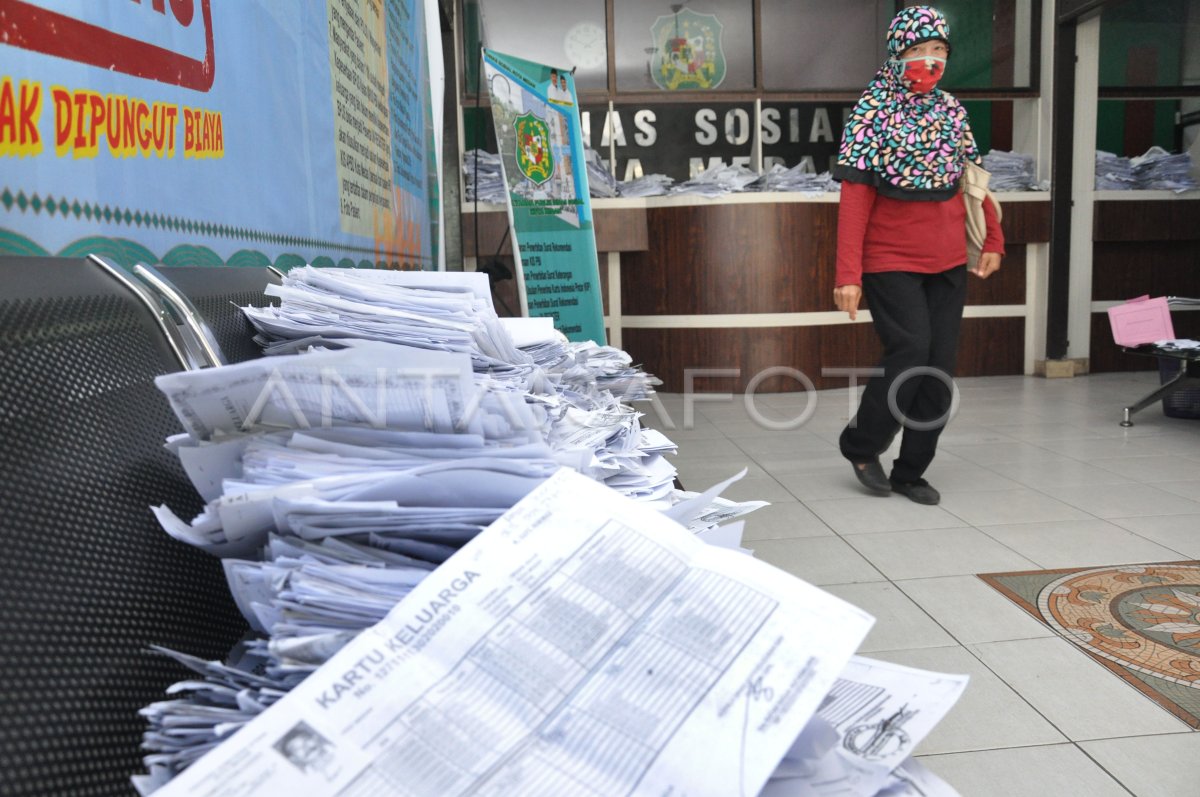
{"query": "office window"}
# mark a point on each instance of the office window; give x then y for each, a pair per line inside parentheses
(702, 45)
(565, 33)
(992, 43)
(1148, 45)
(820, 45)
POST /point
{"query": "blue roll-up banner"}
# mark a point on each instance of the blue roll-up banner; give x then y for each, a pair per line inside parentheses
(536, 114)
(221, 133)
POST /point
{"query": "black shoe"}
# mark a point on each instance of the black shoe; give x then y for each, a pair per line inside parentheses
(870, 475)
(919, 491)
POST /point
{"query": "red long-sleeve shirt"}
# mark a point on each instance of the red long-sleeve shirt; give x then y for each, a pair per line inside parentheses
(877, 233)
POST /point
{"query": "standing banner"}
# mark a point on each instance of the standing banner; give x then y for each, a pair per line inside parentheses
(217, 133)
(536, 115)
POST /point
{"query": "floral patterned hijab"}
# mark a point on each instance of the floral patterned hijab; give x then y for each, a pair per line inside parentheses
(909, 146)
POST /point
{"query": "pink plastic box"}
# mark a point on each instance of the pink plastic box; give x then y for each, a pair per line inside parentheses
(1141, 320)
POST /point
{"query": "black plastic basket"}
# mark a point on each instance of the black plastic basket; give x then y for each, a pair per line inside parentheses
(1183, 403)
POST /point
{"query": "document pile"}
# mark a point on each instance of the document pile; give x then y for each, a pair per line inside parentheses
(581, 644)
(601, 182)
(799, 178)
(648, 185)
(717, 180)
(576, 387)
(1011, 171)
(1158, 169)
(1114, 173)
(485, 181)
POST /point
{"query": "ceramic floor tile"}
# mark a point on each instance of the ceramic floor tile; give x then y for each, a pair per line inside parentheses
(989, 715)
(1000, 453)
(948, 475)
(758, 488)
(785, 446)
(1126, 500)
(800, 461)
(719, 448)
(1151, 766)
(964, 435)
(826, 483)
(817, 560)
(1177, 532)
(1008, 506)
(971, 611)
(900, 624)
(1186, 489)
(1101, 448)
(1168, 467)
(1056, 769)
(930, 553)
(1043, 431)
(1047, 475)
(1063, 543)
(1080, 697)
(783, 520)
(700, 474)
(871, 513)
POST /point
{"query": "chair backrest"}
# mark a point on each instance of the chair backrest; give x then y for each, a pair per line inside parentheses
(217, 294)
(88, 580)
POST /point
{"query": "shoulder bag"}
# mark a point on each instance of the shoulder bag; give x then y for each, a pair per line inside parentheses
(975, 189)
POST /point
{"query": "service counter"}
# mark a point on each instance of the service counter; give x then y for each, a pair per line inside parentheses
(1144, 242)
(711, 294)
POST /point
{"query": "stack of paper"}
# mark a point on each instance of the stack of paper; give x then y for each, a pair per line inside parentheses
(601, 182)
(1011, 171)
(484, 178)
(648, 185)
(453, 313)
(580, 645)
(717, 181)
(1158, 169)
(799, 178)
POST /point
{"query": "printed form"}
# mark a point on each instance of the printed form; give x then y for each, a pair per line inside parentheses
(582, 644)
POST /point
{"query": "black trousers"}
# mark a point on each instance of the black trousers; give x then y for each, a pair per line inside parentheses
(917, 318)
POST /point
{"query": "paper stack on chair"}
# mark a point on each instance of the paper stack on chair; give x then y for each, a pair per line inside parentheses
(581, 644)
(345, 482)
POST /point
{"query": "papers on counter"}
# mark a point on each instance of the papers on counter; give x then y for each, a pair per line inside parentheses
(1011, 171)
(1155, 169)
(582, 644)
(484, 178)
(800, 178)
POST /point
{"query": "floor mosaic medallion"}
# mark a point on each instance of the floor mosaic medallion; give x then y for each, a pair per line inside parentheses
(1142, 622)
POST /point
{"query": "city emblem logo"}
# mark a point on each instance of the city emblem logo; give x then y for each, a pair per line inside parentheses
(687, 51)
(534, 157)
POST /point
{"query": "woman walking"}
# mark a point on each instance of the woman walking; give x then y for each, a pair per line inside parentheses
(902, 246)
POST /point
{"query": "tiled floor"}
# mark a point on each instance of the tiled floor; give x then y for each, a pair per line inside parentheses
(1034, 474)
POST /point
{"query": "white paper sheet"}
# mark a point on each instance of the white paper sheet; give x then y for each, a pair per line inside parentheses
(583, 644)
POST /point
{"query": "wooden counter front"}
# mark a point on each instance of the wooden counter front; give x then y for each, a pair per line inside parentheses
(748, 285)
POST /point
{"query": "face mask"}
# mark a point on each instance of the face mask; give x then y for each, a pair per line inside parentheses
(922, 73)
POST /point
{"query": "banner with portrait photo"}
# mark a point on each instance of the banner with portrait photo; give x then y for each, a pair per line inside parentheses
(536, 117)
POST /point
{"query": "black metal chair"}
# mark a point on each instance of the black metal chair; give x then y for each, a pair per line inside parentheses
(208, 301)
(89, 579)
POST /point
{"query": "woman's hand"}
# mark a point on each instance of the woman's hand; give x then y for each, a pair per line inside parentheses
(847, 297)
(989, 264)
